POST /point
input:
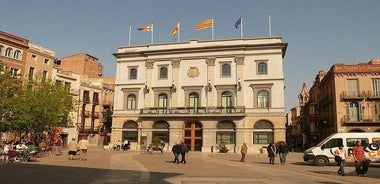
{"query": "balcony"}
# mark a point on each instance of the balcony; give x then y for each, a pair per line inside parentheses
(361, 122)
(191, 112)
(353, 95)
(373, 95)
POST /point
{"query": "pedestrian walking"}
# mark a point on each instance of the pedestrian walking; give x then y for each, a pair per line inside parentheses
(176, 149)
(340, 157)
(243, 151)
(283, 151)
(271, 149)
(162, 146)
(184, 150)
(361, 162)
(83, 147)
(73, 148)
(126, 145)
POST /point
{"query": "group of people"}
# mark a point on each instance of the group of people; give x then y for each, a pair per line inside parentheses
(80, 148)
(282, 150)
(180, 148)
(358, 153)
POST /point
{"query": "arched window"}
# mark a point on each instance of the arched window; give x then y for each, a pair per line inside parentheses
(133, 73)
(8, 52)
(131, 102)
(263, 132)
(161, 131)
(225, 132)
(162, 103)
(163, 72)
(17, 54)
(262, 68)
(226, 70)
(2, 50)
(130, 131)
(263, 99)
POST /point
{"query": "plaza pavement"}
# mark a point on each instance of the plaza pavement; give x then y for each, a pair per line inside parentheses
(119, 167)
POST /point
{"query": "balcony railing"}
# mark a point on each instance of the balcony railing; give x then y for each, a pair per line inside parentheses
(183, 111)
(353, 95)
(373, 94)
(361, 121)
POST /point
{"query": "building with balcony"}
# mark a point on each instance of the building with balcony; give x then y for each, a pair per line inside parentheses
(95, 107)
(344, 99)
(202, 92)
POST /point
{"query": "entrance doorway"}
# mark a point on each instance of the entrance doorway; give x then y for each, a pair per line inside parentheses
(193, 135)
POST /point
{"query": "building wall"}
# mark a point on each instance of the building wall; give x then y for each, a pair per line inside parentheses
(196, 67)
(15, 43)
(41, 60)
(82, 64)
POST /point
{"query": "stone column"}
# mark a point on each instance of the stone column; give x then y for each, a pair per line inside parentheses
(210, 74)
(148, 97)
(176, 82)
(240, 79)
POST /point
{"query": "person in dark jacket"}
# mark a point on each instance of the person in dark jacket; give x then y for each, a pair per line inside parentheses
(271, 149)
(283, 151)
(176, 149)
(184, 150)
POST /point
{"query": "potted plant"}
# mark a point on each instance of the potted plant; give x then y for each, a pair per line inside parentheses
(222, 147)
(156, 143)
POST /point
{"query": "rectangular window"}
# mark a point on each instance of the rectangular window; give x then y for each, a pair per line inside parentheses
(15, 72)
(376, 87)
(31, 73)
(44, 76)
(352, 87)
(351, 142)
(225, 137)
(34, 57)
(262, 137)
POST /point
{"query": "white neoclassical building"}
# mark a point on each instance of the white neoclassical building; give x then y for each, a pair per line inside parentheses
(202, 92)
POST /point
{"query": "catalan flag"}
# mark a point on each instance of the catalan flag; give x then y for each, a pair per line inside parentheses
(205, 24)
(146, 28)
(175, 29)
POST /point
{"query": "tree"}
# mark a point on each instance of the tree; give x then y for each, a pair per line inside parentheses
(33, 106)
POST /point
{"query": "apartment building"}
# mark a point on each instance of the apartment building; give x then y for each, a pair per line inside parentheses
(39, 63)
(202, 92)
(72, 82)
(13, 54)
(344, 99)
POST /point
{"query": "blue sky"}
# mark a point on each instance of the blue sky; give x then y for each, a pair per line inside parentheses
(319, 32)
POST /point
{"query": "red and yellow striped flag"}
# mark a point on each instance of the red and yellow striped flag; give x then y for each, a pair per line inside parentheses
(175, 29)
(205, 24)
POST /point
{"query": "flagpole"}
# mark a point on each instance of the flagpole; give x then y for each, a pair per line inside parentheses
(152, 33)
(179, 30)
(241, 28)
(270, 25)
(129, 35)
(212, 29)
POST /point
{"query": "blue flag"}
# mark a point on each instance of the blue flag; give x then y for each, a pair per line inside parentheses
(237, 24)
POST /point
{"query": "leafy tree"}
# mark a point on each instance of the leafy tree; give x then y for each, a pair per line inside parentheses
(33, 106)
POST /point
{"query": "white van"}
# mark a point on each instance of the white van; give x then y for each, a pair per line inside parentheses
(322, 154)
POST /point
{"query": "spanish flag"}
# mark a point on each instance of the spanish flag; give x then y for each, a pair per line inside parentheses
(146, 28)
(175, 29)
(205, 24)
